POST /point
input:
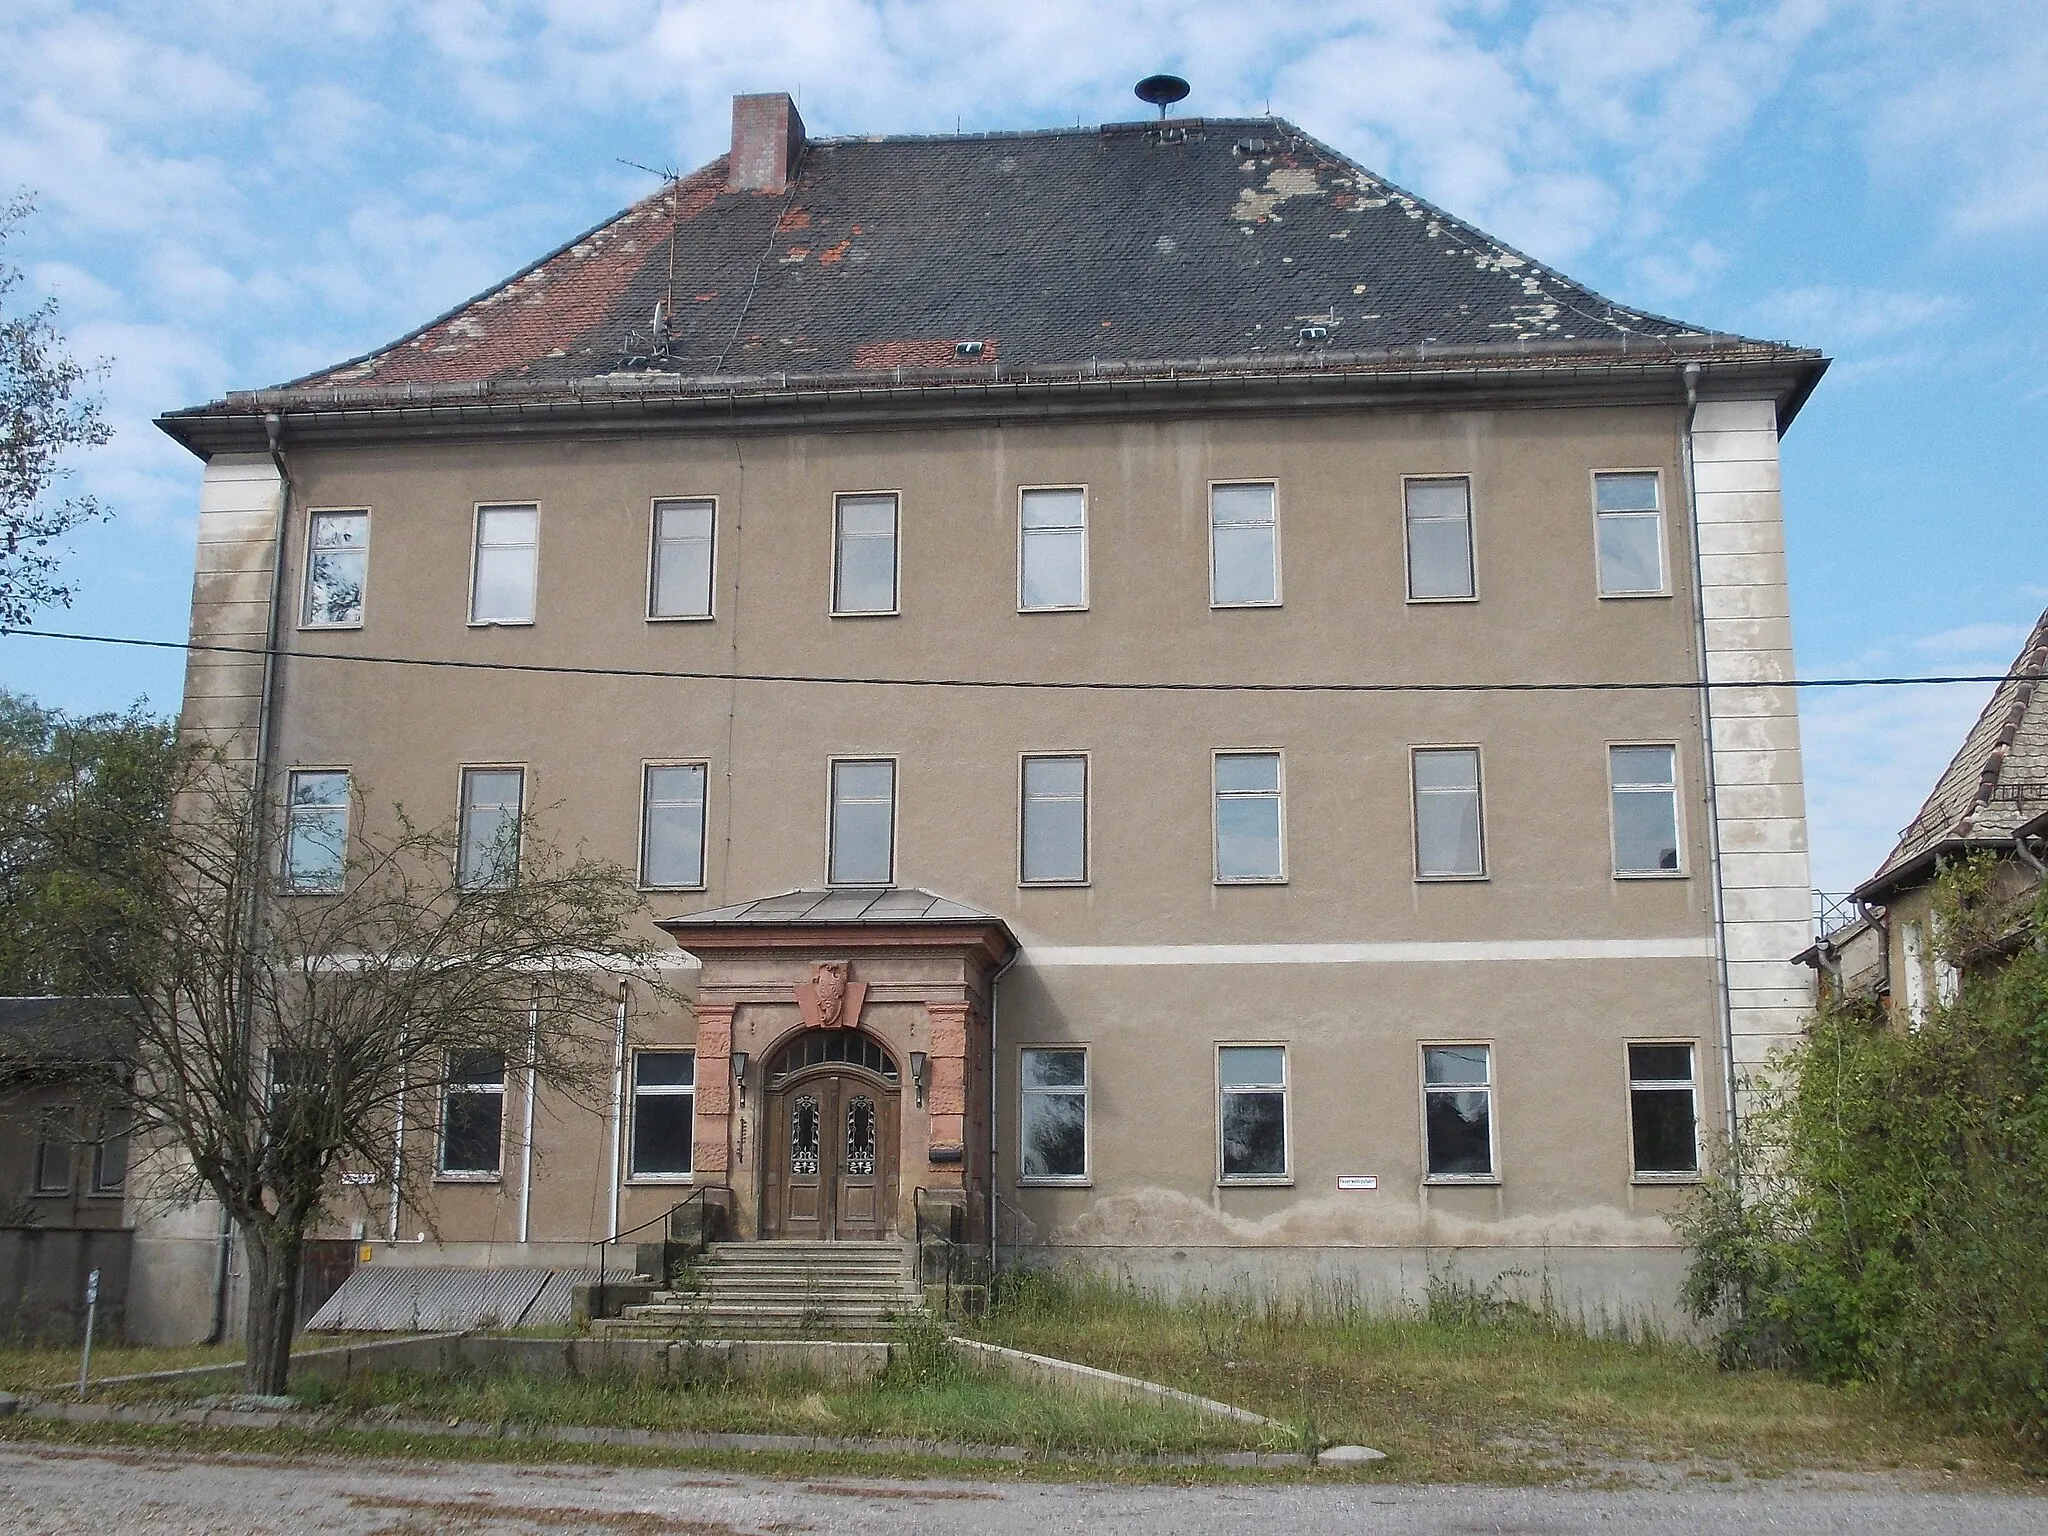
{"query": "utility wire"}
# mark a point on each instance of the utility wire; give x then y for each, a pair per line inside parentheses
(1050, 685)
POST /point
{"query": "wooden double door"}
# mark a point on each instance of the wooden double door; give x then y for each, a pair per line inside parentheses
(831, 1164)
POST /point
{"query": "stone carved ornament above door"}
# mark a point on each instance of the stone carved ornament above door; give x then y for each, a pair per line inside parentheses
(831, 999)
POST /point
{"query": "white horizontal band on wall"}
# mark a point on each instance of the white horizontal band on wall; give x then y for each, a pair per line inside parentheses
(1417, 952)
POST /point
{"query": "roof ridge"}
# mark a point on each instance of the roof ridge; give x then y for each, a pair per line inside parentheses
(1080, 130)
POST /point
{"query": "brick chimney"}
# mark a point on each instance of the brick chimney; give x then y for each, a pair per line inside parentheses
(767, 136)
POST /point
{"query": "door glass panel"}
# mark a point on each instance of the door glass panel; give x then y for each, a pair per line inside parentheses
(803, 1135)
(860, 1135)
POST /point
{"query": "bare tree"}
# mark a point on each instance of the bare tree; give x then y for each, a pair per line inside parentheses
(42, 417)
(267, 1036)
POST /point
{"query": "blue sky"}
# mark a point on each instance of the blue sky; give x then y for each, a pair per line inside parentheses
(232, 194)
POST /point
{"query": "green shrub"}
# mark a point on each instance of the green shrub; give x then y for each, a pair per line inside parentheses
(1884, 1220)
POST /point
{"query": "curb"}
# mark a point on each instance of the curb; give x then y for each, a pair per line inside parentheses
(646, 1439)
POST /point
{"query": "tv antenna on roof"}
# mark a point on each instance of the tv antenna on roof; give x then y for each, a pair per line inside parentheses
(1162, 91)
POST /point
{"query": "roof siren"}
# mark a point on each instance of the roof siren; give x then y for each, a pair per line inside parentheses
(1162, 91)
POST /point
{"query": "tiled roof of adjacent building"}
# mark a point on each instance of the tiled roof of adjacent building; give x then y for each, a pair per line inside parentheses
(1152, 248)
(1997, 784)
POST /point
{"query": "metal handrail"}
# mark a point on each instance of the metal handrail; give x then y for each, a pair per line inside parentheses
(668, 1220)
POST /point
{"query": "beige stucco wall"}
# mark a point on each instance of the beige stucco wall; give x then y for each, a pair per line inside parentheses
(1626, 958)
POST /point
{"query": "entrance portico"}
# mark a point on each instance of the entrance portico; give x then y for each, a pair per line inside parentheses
(843, 1058)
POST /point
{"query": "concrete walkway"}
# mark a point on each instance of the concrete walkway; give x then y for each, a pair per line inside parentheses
(70, 1491)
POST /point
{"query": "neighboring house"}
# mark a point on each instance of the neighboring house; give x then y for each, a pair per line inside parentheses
(63, 1171)
(1192, 976)
(1992, 798)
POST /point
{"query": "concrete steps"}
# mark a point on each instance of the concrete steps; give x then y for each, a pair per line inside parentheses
(782, 1289)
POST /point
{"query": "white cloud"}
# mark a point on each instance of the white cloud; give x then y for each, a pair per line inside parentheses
(1829, 316)
(1988, 641)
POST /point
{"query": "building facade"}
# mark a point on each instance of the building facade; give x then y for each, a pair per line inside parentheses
(1153, 681)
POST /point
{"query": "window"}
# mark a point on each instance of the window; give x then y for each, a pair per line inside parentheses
(672, 826)
(110, 1154)
(1439, 539)
(1053, 1116)
(473, 1114)
(316, 830)
(1644, 789)
(1457, 1111)
(1248, 820)
(488, 857)
(1252, 1112)
(1449, 831)
(1663, 1111)
(679, 577)
(664, 1113)
(52, 1171)
(1052, 550)
(1054, 838)
(864, 555)
(1630, 533)
(337, 567)
(863, 850)
(1244, 546)
(507, 547)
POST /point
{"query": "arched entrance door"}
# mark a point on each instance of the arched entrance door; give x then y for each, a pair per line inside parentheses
(832, 1132)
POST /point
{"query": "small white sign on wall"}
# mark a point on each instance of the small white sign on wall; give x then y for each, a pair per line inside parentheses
(1358, 1181)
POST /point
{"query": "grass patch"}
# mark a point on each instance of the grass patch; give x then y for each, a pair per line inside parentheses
(25, 1369)
(1480, 1387)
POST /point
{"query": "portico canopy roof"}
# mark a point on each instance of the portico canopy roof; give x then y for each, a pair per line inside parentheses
(887, 914)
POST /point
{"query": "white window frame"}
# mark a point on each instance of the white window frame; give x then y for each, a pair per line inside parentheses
(462, 813)
(1216, 821)
(1631, 1082)
(1024, 493)
(1024, 759)
(647, 767)
(710, 612)
(1663, 535)
(449, 1089)
(1492, 1109)
(476, 533)
(313, 516)
(1086, 1177)
(660, 1091)
(1677, 815)
(1471, 538)
(1257, 1180)
(895, 816)
(895, 610)
(1209, 513)
(287, 884)
(1485, 871)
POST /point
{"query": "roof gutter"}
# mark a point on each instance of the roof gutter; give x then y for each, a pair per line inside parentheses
(818, 402)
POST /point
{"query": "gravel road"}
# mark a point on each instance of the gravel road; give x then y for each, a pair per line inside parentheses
(58, 1489)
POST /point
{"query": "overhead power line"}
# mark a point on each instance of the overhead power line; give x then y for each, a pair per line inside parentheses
(1050, 685)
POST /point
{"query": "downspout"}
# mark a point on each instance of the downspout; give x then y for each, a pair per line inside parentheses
(398, 1152)
(993, 1014)
(259, 795)
(1731, 1122)
(618, 1120)
(526, 1134)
